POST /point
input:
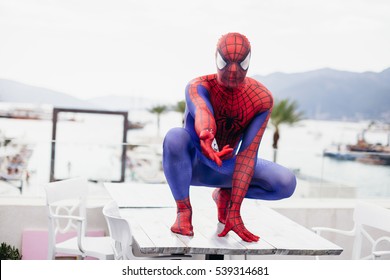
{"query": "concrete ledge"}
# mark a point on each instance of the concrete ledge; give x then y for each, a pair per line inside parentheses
(341, 203)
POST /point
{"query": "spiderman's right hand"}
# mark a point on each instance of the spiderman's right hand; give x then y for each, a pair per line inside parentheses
(206, 144)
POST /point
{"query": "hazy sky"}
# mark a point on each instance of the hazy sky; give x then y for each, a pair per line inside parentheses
(152, 48)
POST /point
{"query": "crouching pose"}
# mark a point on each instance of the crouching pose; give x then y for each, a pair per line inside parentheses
(226, 116)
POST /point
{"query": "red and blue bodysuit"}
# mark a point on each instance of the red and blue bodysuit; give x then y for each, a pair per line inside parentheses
(226, 115)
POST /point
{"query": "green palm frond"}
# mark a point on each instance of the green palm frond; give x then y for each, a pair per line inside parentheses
(180, 106)
(159, 109)
(285, 111)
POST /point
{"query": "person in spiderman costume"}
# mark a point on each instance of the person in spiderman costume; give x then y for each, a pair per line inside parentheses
(226, 115)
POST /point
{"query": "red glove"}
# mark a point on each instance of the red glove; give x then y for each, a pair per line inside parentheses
(235, 223)
(206, 143)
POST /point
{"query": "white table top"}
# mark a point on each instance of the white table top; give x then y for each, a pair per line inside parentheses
(151, 210)
(132, 195)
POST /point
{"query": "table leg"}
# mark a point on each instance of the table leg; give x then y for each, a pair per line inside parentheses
(214, 257)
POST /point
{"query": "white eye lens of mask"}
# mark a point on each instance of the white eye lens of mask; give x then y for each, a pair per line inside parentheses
(220, 62)
(245, 63)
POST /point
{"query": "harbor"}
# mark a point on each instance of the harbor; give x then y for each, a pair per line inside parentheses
(376, 153)
(97, 154)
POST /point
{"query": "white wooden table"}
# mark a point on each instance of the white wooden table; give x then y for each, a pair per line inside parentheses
(151, 210)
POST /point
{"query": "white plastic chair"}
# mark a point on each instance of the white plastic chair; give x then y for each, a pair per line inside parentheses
(366, 215)
(66, 204)
(122, 239)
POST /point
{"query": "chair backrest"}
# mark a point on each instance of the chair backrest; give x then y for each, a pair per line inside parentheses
(66, 189)
(120, 231)
(371, 215)
(68, 198)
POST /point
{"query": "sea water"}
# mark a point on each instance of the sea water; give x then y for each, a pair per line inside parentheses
(91, 145)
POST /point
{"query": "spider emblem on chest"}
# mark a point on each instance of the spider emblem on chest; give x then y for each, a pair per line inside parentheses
(231, 120)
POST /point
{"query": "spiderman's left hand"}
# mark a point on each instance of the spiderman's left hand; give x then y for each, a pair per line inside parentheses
(235, 223)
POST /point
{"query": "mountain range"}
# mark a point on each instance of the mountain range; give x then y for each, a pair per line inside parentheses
(15, 92)
(333, 94)
(320, 94)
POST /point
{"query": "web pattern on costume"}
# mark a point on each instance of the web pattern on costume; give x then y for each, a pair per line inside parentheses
(225, 104)
(233, 110)
(233, 49)
(183, 223)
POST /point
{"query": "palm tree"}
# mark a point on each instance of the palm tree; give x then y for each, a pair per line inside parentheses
(181, 108)
(284, 111)
(158, 110)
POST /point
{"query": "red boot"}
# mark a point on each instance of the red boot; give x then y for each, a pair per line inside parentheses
(183, 223)
(222, 199)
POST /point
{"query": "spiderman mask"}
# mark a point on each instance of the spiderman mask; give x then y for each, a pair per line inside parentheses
(232, 59)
